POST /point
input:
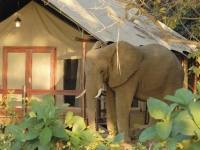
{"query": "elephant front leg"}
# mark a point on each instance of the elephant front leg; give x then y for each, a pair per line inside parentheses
(123, 106)
(111, 112)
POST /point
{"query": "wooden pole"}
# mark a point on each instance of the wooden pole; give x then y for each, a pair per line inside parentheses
(24, 101)
(83, 106)
(196, 64)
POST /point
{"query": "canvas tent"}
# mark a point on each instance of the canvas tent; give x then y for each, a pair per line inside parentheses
(42, 31)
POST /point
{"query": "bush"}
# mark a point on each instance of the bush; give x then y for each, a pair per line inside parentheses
(44, 128)
(177, 128)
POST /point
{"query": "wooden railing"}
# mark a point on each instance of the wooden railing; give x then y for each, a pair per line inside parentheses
(28, 92)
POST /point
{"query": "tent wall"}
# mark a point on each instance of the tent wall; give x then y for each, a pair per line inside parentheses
(41, 28)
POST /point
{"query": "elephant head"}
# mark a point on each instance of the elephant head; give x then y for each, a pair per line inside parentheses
(112, 65)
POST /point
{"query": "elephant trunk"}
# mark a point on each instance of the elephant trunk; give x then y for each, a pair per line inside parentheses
(92, 91)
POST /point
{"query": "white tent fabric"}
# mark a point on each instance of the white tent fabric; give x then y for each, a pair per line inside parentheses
(106, 20)
(41, 28)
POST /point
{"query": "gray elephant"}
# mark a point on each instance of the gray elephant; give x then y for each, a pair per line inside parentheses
(141, 72)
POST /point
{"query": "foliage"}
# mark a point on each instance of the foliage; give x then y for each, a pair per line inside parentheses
(179, 128)
(139, 146)
(45, 128)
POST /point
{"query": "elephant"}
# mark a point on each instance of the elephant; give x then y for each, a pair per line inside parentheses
(128, 71)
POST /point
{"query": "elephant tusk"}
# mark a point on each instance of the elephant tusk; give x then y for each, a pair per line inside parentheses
(99, 93)
(81, 94)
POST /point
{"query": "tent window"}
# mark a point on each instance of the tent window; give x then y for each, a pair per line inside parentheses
(70, 79)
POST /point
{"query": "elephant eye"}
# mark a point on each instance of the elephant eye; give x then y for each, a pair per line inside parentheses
(101, 71)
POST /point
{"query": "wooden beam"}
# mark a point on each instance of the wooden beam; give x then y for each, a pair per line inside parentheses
(85, 39)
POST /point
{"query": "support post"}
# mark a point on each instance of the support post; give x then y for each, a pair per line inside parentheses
(83, 106)
(24, 101)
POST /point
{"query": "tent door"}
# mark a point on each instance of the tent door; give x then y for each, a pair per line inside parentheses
(30, 66)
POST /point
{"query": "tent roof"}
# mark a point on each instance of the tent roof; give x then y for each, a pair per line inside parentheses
(105, 20)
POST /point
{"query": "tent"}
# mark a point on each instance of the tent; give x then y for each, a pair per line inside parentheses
(41, 33)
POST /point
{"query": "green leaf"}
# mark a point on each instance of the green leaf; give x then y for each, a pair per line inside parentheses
(158, 146)
(195, 111)
(75, 140)
(186, 127)
(73, 120)
(198, 86)
(68, 116)
(198, 133)
(118, 138)
(44, 147)
(181, 137)
(45, 136)
(195, 145)
(14, 130)
(31, 134)
(182, 115)
(148, 134)
(34, 105)
(182, 96)
(59, 132)
(49, 112)
(157, 108)
(16, 146)
(32, 114)
(79, 125)
(41, 111)
(171, 143)
(164, 129)
(39, 125)
(27, 123)
(48, 99)
(171, 109)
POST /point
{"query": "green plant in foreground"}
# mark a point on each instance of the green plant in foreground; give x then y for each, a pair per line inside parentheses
(44, 128)
(178, 128)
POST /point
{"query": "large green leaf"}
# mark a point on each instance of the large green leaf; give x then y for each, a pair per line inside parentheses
(75, 140)
(182, 96)
(164, 129)
(49, 112)
(41, 111)
(186, 127)
(157, 108)
(171, 109)
(59, 132)
(195, 111)
(31, 134)
(15, 131)
(45, 136)
(34, 104)
(48, 99)
(68, 116)
(198, 133)
(73, 120)
(171, 143)
(16, 146)
(118, 138)
(79, 125)
(195, 145)
(182, 115)
(44, 147)
(148, 134)
(27, 123)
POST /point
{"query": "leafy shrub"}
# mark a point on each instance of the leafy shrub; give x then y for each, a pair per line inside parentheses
(44, 128)
(177, 128)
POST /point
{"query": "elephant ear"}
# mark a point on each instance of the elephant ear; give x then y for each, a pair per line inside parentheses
(129, 61)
